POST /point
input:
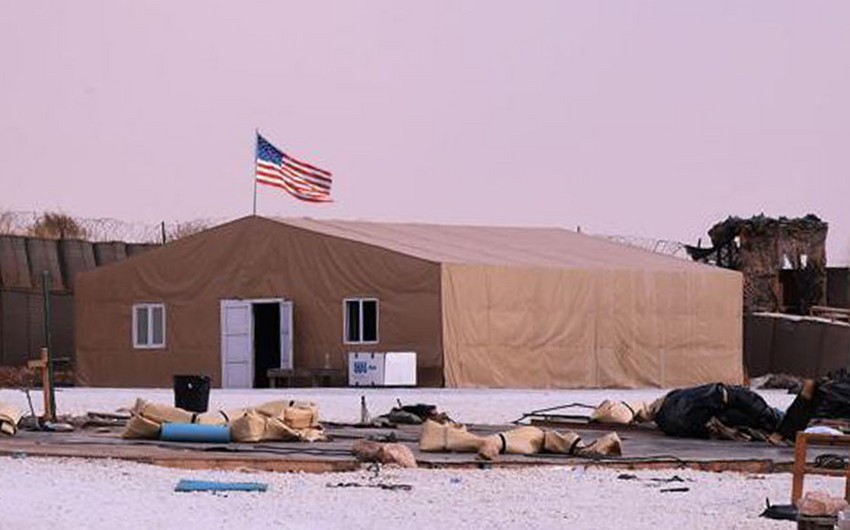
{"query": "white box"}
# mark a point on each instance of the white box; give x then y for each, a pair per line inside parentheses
(381, 369)
(365, 369)
(400, 368)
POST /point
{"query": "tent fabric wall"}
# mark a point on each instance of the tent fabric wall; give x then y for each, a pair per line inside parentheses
(539, 328)
(248, 259)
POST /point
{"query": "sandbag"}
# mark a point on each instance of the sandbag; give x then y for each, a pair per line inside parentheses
(140, 427)
(9, 418)
(526, 440)
(620, 412)
(248, 428)
(163, 413)
(570, 443)
(273, 421)
(434, 436)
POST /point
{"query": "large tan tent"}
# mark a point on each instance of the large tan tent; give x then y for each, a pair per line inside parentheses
(480, 306)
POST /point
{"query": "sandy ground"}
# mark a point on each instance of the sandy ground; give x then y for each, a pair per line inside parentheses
(40, 493)
(49, 494)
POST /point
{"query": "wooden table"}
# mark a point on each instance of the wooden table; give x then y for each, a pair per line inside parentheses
(801, 468)
(316, 375)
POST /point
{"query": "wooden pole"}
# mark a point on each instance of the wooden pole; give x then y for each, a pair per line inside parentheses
(48, 347)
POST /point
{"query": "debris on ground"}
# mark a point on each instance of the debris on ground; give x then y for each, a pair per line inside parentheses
(820, 503)
(402, 415)
(185, 486)
(791, 383)
(378, 485)
(780, 512)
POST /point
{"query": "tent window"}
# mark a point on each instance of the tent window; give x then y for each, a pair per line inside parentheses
(361, 321)
(148, 326)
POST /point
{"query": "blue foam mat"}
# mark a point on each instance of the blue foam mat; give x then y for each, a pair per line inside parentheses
(210, 485)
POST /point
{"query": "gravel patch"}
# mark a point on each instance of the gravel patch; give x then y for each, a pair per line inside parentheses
(41, 493)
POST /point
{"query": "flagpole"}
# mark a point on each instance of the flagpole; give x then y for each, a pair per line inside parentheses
(254, 169)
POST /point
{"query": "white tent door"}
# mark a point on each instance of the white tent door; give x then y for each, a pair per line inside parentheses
(237, 344)
(286, 335)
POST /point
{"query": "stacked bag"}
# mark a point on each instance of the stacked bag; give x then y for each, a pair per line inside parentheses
(9, 418)
(528, 440)
(283, 421)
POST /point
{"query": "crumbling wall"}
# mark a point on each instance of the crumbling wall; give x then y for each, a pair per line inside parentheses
(764, 246)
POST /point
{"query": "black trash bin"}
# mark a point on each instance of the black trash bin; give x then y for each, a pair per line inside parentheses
(192, 392)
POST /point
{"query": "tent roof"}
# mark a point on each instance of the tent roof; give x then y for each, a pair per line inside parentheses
(491, 245)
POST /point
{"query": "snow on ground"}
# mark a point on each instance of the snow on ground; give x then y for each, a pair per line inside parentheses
(37, 493)
(343, 404)
(42, 493)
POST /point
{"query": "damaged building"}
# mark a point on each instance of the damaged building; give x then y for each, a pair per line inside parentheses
(783, 260)
(788, 326)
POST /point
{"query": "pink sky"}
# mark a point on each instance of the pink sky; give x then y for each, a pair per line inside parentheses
(651, 118)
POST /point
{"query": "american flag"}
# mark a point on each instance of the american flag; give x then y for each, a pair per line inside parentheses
(299, 179)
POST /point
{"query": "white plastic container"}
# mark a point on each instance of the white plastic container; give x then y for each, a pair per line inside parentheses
(382, 369)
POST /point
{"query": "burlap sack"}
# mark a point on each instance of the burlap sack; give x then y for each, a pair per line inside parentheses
(301, 414)
(278, 430)
(385, 453)
(313, 435)
(250, 427)
(140, 427)
(619, 412)
(273, 409)
(820, 503)
(213, 418)
(164, 413)
(432, 437)
(299, 417)
(9, 418)
(562, 443)
(459, 440)
(524, 440)
(608, 445)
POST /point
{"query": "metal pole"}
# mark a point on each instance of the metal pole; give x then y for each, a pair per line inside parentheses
(45, 287)
(254, 169)
(162, 226)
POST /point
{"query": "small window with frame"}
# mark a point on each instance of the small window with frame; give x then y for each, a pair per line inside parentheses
(148, 326)
(361, 321)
